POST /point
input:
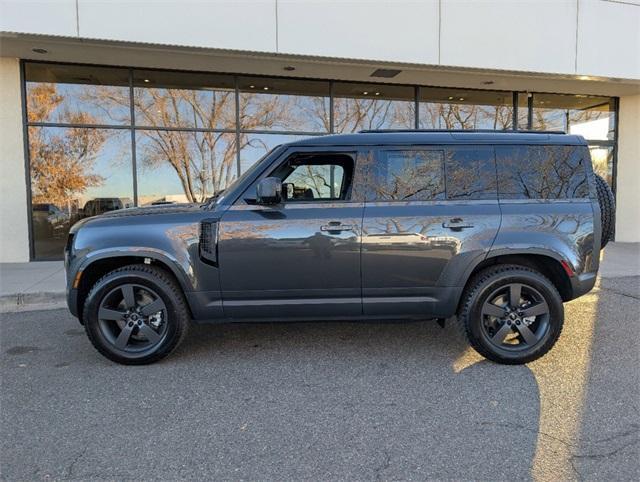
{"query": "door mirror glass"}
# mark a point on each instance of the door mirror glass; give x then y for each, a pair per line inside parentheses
(269, 191)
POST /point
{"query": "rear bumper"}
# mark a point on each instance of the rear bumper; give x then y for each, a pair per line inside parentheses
(582, 284)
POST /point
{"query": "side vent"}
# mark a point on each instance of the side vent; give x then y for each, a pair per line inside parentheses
(209, 241)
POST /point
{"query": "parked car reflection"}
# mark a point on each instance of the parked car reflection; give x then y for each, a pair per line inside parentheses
(102, 205)
(50, 221)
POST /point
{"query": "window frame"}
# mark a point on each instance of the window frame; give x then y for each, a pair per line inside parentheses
(247, 197)
(345, 189)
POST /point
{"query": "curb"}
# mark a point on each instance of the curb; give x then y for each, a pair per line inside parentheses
(32, 301)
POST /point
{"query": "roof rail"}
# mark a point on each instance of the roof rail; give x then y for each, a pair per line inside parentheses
(487, 131)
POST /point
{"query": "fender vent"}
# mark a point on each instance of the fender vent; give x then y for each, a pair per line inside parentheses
(209, 241)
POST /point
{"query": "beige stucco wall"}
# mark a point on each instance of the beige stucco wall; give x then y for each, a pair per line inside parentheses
(14, 232)
(628, 183)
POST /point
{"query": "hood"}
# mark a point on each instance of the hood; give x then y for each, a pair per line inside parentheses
(146, 210)
(146, 213)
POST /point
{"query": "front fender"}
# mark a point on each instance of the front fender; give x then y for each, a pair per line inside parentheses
(182, 271)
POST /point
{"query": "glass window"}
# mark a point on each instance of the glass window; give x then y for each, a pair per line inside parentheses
(541, 172)
(176, 99)
(372, 106)
(408, 175)
(471, 173)
(602, 160)
(254, 146)
(75, 173)
(591, 117)
(273, 104)
(523, 111)
(183, 166)
(317, 180)
(71, 94)
(465, 109)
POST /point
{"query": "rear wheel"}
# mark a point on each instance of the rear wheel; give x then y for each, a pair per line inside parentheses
(511, 314)
(136, 315)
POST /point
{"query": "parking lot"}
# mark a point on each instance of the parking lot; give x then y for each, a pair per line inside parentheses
(326, 401)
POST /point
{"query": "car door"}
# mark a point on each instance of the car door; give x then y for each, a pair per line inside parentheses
(428, 210)
(301, 257)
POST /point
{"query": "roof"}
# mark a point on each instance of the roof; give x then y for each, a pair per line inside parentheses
(413, 137)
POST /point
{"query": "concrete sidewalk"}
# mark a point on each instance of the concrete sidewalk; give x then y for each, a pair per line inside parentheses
(40, 285)
(31, 286)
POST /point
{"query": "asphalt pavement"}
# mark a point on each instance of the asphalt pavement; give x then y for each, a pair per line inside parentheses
(325, 401)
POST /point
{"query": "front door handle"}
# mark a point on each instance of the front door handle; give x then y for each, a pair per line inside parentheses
(337, 226)
(456, 224)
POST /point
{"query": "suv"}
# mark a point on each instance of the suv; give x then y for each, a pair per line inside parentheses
(496, 229)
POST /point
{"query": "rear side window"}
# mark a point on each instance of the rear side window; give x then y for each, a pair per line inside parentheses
(541, 172)
(471, 173)
(407, 175)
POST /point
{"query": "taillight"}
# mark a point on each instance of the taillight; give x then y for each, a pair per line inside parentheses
(567, 267)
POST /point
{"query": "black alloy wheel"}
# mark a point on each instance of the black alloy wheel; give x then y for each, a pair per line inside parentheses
(133, 318)
(136, 314)
(515, 317)
(511, 314)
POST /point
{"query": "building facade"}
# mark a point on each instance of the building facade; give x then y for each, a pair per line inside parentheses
(107, 105)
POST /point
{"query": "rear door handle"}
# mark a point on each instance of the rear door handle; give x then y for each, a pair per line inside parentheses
(337, 226)
(456, 223)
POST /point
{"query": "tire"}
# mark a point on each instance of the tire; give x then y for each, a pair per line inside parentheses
(607, 210)
(136, 315)
(526, 338)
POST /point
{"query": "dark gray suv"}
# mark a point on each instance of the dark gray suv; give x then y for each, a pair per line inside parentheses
(496, 229)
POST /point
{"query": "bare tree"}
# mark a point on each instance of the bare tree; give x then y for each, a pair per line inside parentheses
(204, 161)
(62, 161)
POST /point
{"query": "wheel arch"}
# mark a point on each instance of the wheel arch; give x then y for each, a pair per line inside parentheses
(546, 262)
(97, 266)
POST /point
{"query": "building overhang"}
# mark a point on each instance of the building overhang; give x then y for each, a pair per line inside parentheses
(142, 55)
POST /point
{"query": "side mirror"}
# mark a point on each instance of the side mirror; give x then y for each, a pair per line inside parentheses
(269, 191)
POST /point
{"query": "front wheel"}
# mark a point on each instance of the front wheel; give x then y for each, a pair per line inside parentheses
(511, 314)
(136, 315)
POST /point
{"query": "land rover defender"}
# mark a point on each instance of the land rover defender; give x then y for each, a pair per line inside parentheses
(493, 230)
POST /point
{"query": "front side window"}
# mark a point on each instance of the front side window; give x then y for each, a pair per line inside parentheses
(316, 177)
(310, 182)
(542, 172)
(407, 175)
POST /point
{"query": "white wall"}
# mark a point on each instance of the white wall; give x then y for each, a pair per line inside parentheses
(609, 39)
(515, 35)
(407, 32)
(226, 24)
(628, 180)
(14, 232)
(50, 17)
(529, 35)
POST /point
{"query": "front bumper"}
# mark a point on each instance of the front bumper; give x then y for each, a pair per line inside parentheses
(72, 302)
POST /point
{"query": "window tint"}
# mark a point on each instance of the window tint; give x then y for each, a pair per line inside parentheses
(408, 175)
(471, 173)
(541, 172)
(310, 182)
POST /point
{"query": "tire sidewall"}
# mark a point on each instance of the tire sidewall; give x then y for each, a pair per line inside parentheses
(104, 287)
(556, 315)
(606, 201)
